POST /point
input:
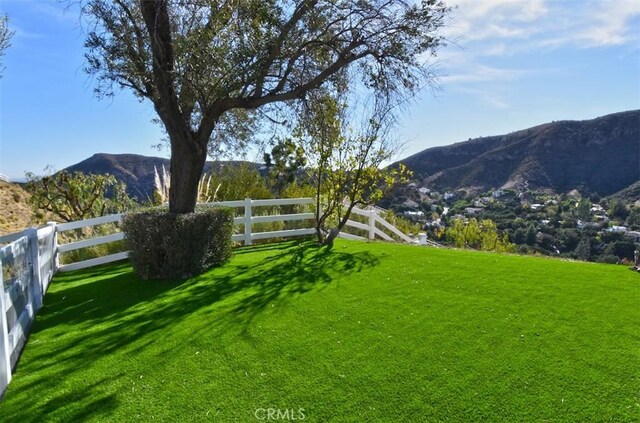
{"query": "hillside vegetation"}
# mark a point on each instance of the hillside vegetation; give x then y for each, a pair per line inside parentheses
(366, 332)
(16, 212)
(631, 194)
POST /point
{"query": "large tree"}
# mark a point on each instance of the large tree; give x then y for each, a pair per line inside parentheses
(205, 63)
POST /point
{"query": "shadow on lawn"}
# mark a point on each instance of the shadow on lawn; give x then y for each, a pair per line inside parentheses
(117, 313)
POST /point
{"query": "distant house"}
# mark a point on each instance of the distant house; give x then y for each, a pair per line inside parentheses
(411, 185)
(418, 213)
(410, 204)
(536, 206)
(449, 195)
(619, 229)
(473, 210)
(497, 193)
(424, 190)
(601, 218)
(582, 225)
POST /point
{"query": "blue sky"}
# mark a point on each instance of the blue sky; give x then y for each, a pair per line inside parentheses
(508, 65)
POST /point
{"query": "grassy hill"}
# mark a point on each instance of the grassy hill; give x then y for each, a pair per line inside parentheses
(367, 332)
(16, 211)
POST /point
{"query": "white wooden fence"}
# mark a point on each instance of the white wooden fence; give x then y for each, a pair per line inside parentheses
(28, 264)
(373, 231)
(31, 258)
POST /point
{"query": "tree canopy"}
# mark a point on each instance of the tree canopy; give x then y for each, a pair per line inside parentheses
(203, 63)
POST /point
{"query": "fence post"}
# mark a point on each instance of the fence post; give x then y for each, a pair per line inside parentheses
(5, 353)
(247, 221)
(319, 213)
(34, 262)
(372, 225)
(55, 258)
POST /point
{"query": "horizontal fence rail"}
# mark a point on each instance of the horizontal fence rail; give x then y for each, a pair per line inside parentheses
(373, 219)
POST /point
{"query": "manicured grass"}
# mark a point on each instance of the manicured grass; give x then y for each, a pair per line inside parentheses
(366, 332)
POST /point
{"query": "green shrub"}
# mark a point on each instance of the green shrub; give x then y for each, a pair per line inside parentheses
(607, 258)
(167, 245)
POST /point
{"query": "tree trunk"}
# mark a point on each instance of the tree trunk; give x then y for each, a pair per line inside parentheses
(331, 236)
(187, 165)
(188, 149)
(333, 233)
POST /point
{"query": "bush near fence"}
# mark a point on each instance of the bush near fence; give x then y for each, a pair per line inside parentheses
(166, 245)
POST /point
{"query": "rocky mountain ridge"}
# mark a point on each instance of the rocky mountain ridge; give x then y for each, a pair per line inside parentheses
(600, 155)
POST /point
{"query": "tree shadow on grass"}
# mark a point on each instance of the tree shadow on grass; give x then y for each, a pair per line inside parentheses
(290, 273)
(95, 314)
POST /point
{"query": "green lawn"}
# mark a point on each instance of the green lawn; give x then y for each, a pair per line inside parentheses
(366, 332)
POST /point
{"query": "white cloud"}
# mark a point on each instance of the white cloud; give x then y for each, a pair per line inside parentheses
(492, 98)
(530, 24)
(475, 20)
(611, 23)
(482, 73)
(486, 37)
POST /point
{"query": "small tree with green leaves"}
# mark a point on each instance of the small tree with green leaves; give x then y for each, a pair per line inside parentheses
(284, 163)
(583, 210)
(481, 235)
(618, 209)
(346, 157)
(633, 219)
(583, 250)
(78, 196)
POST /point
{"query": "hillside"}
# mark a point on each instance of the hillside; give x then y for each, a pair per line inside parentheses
(630, 194)
(134, 170)
(16, 212)
(596, 156)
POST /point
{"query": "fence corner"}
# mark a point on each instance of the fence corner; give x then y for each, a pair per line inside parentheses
(34, 259)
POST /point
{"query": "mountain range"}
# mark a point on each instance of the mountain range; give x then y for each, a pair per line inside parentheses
(136, 171)
(600, 156)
